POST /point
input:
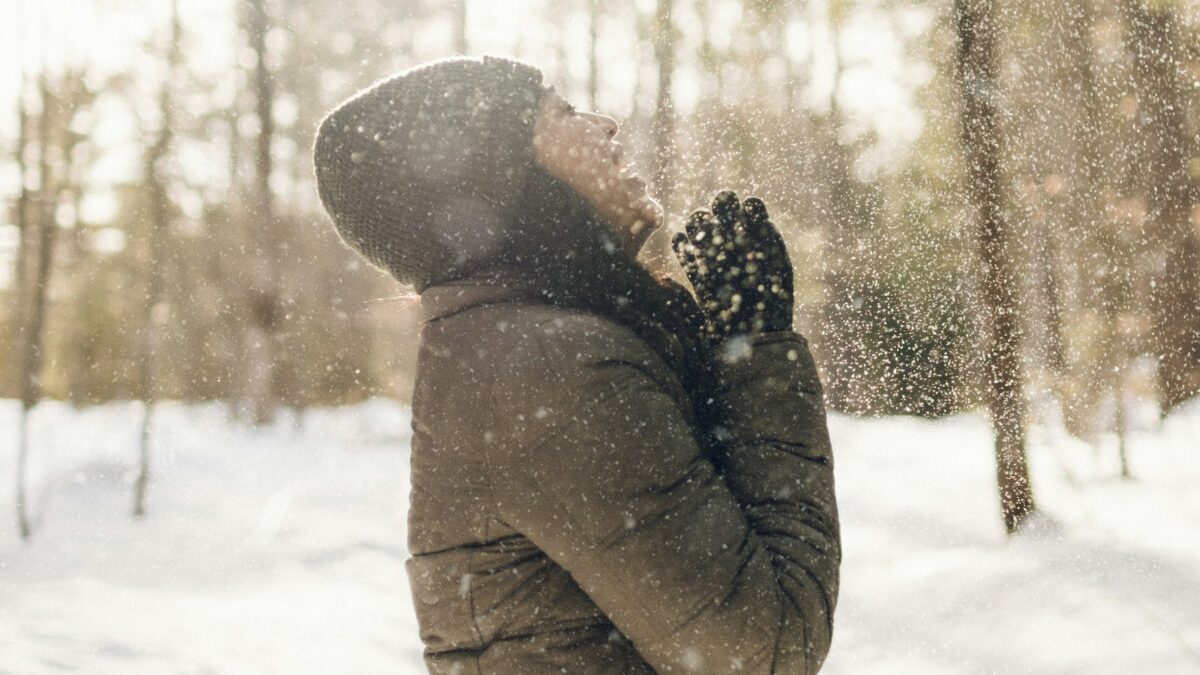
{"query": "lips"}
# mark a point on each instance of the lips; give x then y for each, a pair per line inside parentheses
(618, 153)
(624, 171)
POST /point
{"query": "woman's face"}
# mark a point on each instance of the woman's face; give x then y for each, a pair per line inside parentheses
(578, 149)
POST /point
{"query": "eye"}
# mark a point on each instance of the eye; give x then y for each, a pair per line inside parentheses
(569, 109)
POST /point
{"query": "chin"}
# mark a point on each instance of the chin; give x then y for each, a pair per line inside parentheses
(652, 216)
(655, 210)
(651, 219)
(650, 211)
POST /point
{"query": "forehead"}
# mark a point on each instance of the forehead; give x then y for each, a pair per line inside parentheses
(550, 110)
(552, 96)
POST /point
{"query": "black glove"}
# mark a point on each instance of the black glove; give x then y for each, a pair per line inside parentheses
(739, 266)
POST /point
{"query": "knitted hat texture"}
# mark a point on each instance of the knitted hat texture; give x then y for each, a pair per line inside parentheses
(421, 172)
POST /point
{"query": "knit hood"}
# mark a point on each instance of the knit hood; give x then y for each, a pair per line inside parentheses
(422, 172)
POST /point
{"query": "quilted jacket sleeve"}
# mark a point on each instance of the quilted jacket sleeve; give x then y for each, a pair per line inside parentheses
(704, 572)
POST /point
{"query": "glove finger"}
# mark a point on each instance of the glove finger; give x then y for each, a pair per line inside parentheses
(697, 227)
(778, 247)
(679, 244)
(755, 209)
(708, 239)
(728, 217)
(766, 235)
(726, 207)
(756, 217)
(778, 262)
(683, 251)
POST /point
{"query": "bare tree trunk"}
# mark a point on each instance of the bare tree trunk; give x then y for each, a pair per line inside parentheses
(850, 387)
(263, 299)
(36, 260)
(1049, 262)
(593, 65)
(664, 112)
(975, 21)
(840, 169)
(22, 455)
(711, 68)
(644, 29)
(789, 65)
(26, 241)
(1106, 284)
(460, 26)
(160, 211)
(1164, 146)
(562, 66)
(37, 255)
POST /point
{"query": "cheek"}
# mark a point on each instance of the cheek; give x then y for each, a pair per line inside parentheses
(562, 152)
(588, 166)
(575, 153)
(584, 144)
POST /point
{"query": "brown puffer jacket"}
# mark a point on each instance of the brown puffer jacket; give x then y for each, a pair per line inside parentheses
(564, 518)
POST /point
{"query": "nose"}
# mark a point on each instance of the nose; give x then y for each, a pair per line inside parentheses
(611, 127)
(607, 123)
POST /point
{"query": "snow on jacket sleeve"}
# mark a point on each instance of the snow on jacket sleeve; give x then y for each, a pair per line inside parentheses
(704, 572)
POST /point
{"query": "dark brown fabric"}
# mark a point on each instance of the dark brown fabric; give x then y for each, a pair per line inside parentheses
(564, 251)
(566, 517)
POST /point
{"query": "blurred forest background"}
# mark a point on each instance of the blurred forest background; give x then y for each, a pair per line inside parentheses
(962, 185)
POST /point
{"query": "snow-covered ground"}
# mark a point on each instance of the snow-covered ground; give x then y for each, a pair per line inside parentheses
(281, 550)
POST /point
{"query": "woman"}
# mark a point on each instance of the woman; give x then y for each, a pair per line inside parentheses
(607, 475)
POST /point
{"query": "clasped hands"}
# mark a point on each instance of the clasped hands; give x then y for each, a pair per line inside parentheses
(739, 267)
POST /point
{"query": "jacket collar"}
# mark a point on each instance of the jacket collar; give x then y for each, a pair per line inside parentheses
(498, 285)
